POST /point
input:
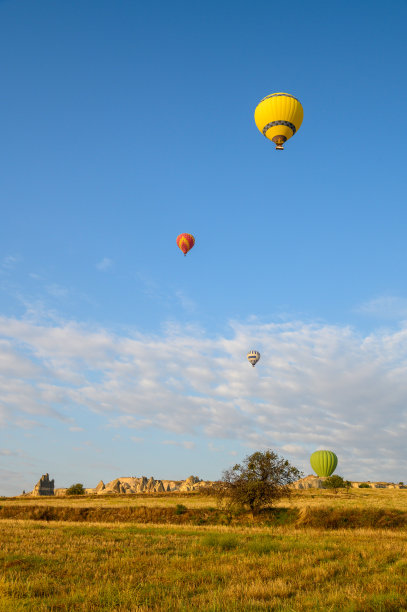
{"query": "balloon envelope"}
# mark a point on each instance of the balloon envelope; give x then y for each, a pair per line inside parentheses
(185, 242)
(323, 462)
(253, 357)
(278, 117)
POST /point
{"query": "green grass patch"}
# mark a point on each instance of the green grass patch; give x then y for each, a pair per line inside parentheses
(220, 541)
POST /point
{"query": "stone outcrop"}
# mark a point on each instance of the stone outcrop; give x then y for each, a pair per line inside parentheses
(100, 486)
(309, 482)
(132, 484)
(379, 485)
(317, 482)
(59, 492)
(44, 486)
(190, 484)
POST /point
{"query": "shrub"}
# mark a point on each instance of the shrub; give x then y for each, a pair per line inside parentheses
(364, 485)
(336, 482)
(76, 489)
(180, 509)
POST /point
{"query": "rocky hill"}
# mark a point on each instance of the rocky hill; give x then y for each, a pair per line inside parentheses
(125, 484)
(133, 484)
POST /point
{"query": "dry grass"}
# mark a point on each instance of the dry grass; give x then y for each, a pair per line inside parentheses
(385, 499)
(395, 499)
(264, 565)
(307, 516)
(60, 566)
(156, 500)
(312, 508)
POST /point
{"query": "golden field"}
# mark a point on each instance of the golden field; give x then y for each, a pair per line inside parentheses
(276, 562)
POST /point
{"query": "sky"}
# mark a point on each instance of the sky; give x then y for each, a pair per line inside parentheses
(124, 124)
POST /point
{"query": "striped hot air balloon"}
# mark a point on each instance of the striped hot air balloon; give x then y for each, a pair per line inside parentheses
(185, 242)
(323, 462)
(279, 116)
(253, 357)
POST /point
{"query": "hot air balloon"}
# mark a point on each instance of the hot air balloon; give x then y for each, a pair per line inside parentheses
(278, 116)
(185, 242)
(323, 462)
(253, 357)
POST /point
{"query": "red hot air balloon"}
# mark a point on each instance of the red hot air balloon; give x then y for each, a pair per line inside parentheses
(185, 242)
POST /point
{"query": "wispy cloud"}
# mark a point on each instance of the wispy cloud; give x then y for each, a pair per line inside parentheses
(10, 261)
(385, 307)
(187, 303)
(57, 291)
(105, 264)
(184, 444)
(316, 386)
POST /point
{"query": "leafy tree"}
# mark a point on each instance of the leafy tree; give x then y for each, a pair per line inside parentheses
(261, 479)
(76, 489)
(336, 482)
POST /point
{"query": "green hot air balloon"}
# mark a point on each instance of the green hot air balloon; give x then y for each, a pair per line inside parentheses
(323, 462)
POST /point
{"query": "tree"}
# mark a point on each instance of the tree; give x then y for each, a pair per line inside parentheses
(76, 489)
(261, 479)
(336, 482)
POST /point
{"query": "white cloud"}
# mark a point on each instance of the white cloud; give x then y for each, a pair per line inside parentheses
(57, 291)
(184, 444)
(105, 264)
(187, 303)
(385, 307)
(315, 386)
(10, 261)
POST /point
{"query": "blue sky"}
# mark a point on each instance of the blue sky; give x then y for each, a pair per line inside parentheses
(124, 124)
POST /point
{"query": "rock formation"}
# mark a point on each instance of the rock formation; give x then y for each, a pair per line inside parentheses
(317, 482)
(44, 486)
(132, 484)
(100, 486)
(309, 482)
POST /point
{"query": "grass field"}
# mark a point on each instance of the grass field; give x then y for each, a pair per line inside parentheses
(366, 498)
(259, 565)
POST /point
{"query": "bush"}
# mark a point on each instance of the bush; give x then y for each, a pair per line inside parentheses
(180, 509)
(336, 482)
(76, 489)
(364, 485)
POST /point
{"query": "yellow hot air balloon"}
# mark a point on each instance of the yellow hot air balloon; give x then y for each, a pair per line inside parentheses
(278, 116)
(253, 357)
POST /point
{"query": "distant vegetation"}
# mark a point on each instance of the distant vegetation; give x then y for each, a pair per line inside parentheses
(336, 482)
(76, 489)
